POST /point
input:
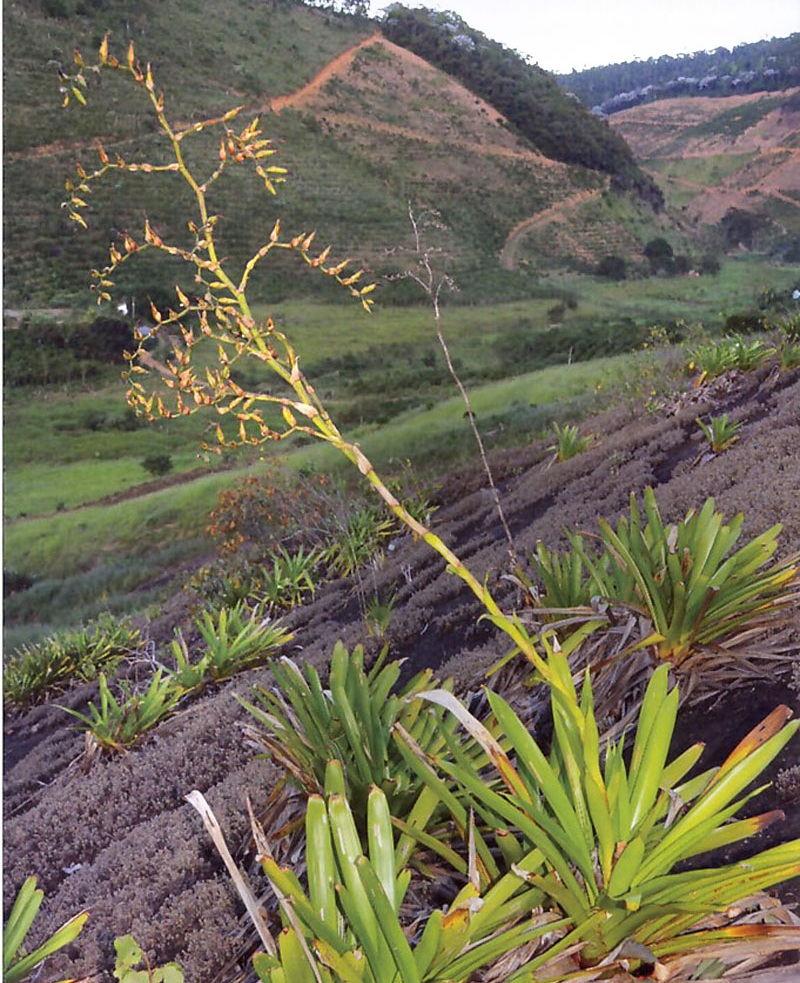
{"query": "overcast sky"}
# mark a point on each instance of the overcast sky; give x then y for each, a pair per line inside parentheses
(564, 34)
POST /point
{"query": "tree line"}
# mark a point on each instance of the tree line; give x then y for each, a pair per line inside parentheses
(763, 66)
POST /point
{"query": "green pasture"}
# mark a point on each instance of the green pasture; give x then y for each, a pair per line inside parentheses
(88, 559)
(705, 298)
(36, 489)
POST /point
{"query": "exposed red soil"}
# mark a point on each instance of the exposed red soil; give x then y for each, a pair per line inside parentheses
(665, 130)
(120, 838)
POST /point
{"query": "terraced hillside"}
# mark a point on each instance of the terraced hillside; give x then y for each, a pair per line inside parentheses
(362, 125)
(715, 155)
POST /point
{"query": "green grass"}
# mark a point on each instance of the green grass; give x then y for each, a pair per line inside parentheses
(72, 542)
(34, 489)
(706, 171)
(707, 298)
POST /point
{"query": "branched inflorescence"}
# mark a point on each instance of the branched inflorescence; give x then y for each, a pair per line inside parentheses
(219, 312)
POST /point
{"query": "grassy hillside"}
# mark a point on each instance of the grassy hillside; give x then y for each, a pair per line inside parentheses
(362, 126)
(86, 524)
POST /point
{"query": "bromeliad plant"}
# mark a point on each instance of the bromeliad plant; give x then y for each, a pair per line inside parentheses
(37, 671)
(304, 726)
(568, 442)
(235, 638)
(348, 924)
(600, 834)
(715, 358)
(720, 433)
(357, 541)
(685, 578)
(116, 725)
(290, 579)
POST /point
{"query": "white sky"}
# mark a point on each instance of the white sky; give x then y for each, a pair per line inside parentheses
(564, 34)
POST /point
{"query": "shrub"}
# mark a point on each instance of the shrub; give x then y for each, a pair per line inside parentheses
(612, 268)
(13, 582)
(660, 254)
(157, 464)
(264, 511)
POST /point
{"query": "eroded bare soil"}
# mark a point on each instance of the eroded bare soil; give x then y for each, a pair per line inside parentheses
(121, 840)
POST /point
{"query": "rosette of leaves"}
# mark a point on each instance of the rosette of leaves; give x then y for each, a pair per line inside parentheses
(357, 541)
(685, 578)
(290, 579)
(349, 922)
(600, 834)
(720, 432)
(236, 638)
(117, 724)
(568, 442)
(303, 726)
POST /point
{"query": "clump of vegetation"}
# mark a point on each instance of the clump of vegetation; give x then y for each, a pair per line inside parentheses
(378, 614)
(720, 432)
(236, 638)
(684, 577)
(290, 580)
(569, 442)
(117, 724)
(714, 358)
(304, 727)
(158, 464)
(35, 672)
(599, 835)
(43, 352)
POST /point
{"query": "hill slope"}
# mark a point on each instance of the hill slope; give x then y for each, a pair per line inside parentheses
(362, 126)
(760, 66)
(734, 161)
(133, 850)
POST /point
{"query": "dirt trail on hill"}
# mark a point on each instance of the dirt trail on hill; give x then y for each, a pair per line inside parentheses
(555, 213)
(338, 66)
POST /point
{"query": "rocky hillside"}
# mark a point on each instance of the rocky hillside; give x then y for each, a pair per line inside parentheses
(119, 837)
